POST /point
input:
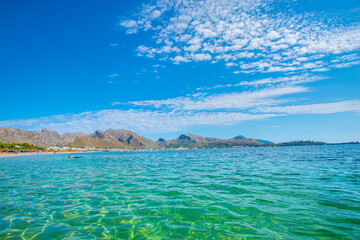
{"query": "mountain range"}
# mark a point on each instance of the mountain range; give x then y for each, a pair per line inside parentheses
(117, 139)
(191, 140)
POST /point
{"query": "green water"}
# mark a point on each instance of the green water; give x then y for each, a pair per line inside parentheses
(255, 193)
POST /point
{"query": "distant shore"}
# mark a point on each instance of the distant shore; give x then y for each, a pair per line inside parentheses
(289, 144)
(2, 155)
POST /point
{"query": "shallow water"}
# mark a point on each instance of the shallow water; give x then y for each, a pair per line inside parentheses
(255, 193)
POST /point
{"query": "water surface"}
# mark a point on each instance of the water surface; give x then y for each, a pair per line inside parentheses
(255, 193)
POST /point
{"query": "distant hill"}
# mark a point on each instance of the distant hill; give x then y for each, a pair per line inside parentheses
(45, 138)
(240, 137)
(191, 140)
(301, 143)
(108, 139)
(131, 139)
(112, 138)
(98, 139)
(264, 141)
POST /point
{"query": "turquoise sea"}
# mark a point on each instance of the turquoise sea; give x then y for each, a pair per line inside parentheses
(251, 193)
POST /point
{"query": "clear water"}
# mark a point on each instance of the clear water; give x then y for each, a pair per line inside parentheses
(255, 193)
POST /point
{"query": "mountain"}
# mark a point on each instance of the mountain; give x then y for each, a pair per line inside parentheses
(112, 138)
(46, 138)
(264, 141)
(97, 139)
(122, 138)
(301, 143)
(240, 137)
(191, 140)
(131, 139)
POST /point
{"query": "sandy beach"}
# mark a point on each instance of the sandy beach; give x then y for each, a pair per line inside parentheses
(20, 154)
(32, 153)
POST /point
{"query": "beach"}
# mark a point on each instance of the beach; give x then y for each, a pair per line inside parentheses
(2, 155)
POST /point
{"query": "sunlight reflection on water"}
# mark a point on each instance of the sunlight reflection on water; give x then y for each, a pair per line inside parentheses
(285, 192)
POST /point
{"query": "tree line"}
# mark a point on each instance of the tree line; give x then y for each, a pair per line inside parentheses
(22, 147)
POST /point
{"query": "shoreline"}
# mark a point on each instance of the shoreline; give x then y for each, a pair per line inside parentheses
(3, 155)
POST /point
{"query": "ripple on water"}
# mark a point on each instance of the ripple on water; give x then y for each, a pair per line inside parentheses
(266, 193)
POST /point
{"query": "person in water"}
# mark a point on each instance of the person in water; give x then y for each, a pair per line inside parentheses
(70, 156)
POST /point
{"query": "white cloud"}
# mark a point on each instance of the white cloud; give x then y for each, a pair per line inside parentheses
(136, 120)
(282, 81)
(142, 49)
(160, 121)
(155, 14)
(199, 109)
(248, 36)
(129, 24)
(113, 75)
(272, 35)
(322, 108)
(202, 57)
(179, 59)
(243, 100)
(250, 33)
(345, 65)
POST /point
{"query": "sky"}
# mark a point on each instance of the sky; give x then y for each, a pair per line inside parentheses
(276, 70)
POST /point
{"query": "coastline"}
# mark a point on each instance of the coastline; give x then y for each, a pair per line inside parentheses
(3, 155)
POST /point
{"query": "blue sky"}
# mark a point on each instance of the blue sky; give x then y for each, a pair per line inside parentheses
(277, 70)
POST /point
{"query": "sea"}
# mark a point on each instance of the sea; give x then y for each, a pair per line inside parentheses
(304, 192)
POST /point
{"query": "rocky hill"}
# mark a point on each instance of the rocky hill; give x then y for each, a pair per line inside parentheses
(191, 140)
(97, 139)
(265, 141)
(46, 138)
(116, 139)
(131, 139)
